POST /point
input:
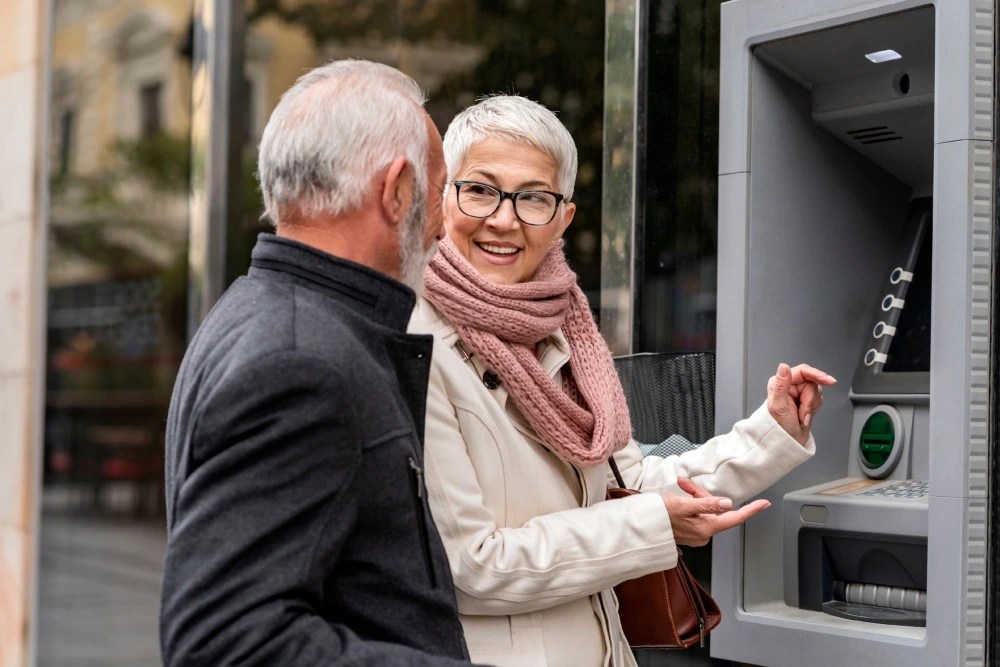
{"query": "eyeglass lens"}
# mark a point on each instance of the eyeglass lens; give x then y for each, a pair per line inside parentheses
(532, 207)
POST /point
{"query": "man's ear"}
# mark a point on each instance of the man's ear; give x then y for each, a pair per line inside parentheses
(397, 190)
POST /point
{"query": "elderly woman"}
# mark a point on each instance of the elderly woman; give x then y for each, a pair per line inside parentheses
(525, 409)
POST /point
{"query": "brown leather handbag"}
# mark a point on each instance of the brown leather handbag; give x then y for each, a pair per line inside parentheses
(666, 609)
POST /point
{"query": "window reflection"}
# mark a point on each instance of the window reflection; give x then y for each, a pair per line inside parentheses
(456, 50)
(149, 99)
(678, 283)
(120, 169)
(119, 139)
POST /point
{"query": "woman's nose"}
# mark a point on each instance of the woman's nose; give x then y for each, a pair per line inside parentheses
(504, 217)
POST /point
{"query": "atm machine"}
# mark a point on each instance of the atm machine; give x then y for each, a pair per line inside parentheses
(856, 227)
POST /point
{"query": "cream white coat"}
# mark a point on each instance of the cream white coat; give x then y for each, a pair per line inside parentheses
(534, 548)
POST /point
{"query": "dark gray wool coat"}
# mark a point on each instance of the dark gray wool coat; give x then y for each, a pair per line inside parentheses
(299, 531)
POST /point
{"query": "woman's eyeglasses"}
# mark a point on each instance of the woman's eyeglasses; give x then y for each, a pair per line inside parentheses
(532, 207)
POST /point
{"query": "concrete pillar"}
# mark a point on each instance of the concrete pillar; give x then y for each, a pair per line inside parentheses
(22, 312)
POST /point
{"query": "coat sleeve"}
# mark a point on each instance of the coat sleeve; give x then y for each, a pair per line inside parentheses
(262, 513)
(755, 454)
(553, 558)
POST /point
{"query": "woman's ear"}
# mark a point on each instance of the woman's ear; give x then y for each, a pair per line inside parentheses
(397, 190)
(567, 218)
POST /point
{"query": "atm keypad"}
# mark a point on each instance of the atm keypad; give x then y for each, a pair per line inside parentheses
(911, 488)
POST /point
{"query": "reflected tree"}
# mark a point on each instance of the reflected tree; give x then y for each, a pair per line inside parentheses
(122, 230)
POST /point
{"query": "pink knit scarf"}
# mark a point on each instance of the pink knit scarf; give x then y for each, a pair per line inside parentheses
(585, 420)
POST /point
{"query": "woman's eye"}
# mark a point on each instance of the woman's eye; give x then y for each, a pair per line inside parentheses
(534, 197)
(476, 189)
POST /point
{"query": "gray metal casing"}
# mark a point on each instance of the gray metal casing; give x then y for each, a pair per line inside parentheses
(800, 252)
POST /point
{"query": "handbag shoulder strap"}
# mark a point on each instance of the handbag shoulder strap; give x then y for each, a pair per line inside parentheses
(617, 474)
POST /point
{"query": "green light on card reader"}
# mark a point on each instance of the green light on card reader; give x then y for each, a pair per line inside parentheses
(877, 439)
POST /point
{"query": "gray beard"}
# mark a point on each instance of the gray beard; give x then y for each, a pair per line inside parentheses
(413, 259)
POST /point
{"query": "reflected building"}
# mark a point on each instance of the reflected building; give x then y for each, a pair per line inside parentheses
(119, 170)
(118, 182)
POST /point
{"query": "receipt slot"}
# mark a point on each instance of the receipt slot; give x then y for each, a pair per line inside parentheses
(856, 233)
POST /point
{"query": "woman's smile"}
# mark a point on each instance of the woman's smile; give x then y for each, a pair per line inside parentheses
(499, 253)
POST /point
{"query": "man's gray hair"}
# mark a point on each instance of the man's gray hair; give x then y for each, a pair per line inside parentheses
(333, 131)
(518, 120)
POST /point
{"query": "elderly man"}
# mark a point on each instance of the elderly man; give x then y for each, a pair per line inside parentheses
(298, 524)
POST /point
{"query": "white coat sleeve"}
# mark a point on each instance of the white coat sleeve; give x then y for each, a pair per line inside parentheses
(755, 454)
(551, 559)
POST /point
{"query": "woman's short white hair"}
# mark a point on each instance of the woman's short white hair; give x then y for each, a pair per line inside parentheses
(518, 120)
(333, 131)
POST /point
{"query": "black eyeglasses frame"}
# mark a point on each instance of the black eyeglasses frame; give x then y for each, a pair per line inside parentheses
(512, 196)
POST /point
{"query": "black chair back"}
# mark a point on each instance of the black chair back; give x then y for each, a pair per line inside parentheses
(669, 393)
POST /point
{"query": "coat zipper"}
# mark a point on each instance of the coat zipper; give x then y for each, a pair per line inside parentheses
(425, 542)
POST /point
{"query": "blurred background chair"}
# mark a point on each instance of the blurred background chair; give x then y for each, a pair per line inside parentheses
(669, 394)
(671, 400)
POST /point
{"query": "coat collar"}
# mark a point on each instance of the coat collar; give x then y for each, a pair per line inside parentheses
(428, 319)
(372, 294)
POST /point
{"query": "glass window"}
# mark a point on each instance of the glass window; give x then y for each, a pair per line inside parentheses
(118, 252)
(457, 51)
(120, 102)
(149, 106)
(67, 122)
(677, 284)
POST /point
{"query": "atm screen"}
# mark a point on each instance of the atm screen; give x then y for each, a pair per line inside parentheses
(910, 350)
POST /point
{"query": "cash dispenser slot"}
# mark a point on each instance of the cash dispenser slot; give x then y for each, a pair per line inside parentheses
(864, 577)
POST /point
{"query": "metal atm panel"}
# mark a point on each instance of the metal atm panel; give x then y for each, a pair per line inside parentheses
(841, 180)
